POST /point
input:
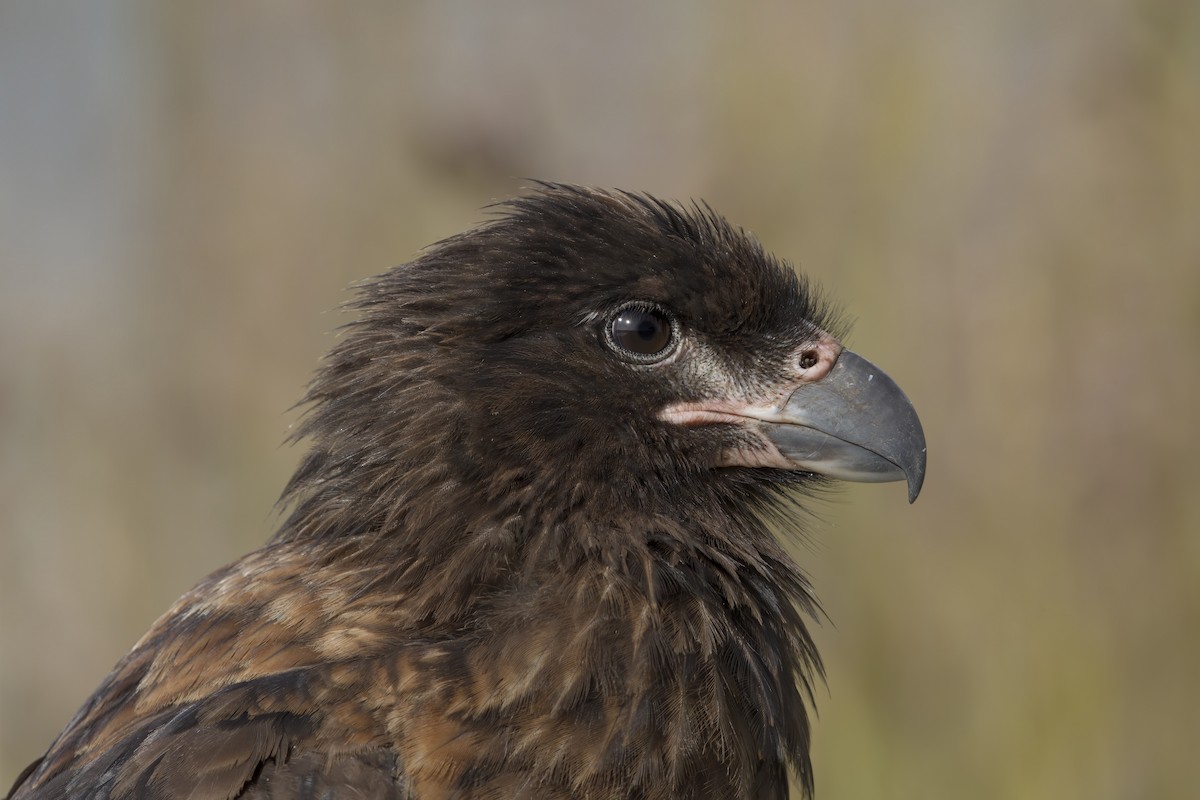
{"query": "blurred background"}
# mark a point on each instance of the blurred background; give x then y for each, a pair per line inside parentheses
(1006, 195)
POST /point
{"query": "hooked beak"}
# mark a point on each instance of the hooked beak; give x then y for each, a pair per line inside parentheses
(854, 423)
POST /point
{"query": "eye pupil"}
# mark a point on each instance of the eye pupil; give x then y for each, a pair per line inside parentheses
(641, 331)
(647, 329)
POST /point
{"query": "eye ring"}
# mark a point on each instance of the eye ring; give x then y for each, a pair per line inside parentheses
(641, 332)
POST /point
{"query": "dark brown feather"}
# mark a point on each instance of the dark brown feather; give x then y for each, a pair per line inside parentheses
(501, 576)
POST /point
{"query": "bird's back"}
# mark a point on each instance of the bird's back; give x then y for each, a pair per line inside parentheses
(265, 681)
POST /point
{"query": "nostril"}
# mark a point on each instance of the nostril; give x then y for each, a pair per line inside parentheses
(808, 359)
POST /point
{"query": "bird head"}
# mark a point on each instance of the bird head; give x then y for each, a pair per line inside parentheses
(606, 345)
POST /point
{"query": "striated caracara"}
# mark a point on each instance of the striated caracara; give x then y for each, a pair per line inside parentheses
(529, 553)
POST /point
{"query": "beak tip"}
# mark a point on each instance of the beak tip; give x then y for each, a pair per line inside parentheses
(916, 478)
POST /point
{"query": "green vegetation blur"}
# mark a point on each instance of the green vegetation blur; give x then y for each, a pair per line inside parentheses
(1005, 196)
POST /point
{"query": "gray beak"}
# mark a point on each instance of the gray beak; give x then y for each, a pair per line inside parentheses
(854, 424)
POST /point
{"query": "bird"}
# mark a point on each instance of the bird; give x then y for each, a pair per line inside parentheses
(536, 544)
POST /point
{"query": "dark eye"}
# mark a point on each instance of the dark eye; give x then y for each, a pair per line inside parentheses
(642, 332)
